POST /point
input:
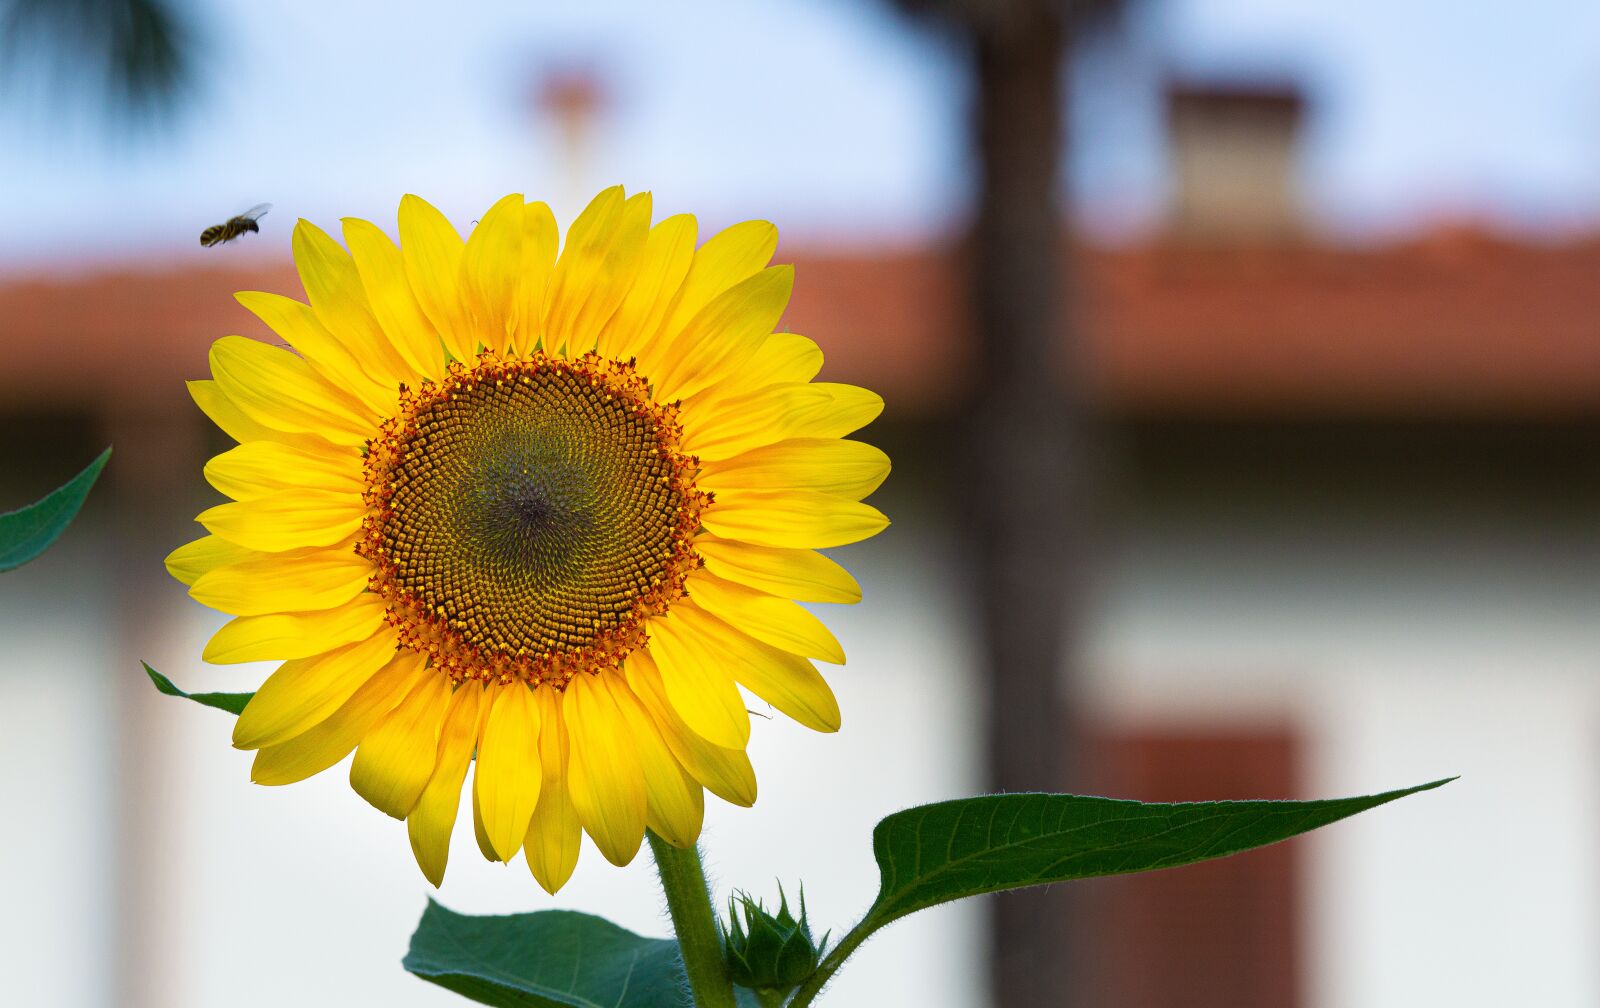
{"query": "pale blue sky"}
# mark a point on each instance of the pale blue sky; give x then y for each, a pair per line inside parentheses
(828, 116)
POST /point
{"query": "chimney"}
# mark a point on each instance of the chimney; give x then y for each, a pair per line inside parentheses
(573, 99)
(1233, 153)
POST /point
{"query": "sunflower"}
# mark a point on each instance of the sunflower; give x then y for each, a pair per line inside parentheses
(536, 515)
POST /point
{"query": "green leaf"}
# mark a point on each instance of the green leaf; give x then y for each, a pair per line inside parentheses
(549, 959)
(937, 853)
(233, 703)
(26, 532)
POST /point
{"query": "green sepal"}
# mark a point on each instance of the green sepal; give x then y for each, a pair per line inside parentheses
(766, 951)
(233, 703)
(29, 531)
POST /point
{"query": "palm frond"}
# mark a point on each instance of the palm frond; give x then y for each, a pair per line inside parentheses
(139, 54)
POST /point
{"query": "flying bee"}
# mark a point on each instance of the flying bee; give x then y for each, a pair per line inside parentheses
(234, 226)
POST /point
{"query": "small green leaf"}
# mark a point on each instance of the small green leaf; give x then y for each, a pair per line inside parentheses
(26, 532)
(937, 853)
(233, 703)
(549, 959)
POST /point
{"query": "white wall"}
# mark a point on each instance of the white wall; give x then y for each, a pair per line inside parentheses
(1404, 654)
(57, 774)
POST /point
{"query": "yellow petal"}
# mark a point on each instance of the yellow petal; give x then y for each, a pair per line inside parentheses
(491, 272)
(785, 358)
(189, 561)
(668, 251)
(433, 818)
(724, 335)
(277, 389)
(305, 691)
(554, 833)
(604, 247)
(726, 773)
(779, 622)
(795, 519)
(334, 288)
(286, 520)
(700, 689)
(432, 252)
(804, 575)
(383, 277)
(848, 409)
(294, 635)
(728, 257)
(298, 324)
(395, 759)
(786, 681)
(296, 581)
(845, 468)
(478, 832)
(603, 772)
(540, 236)
(674, 804)
(721, 428)
(321, 746)
(507, 778)
(208, 395)
(257, 468)
(579, 266)
(228, 417)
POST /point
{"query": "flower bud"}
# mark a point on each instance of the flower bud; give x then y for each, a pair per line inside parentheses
(767, 951)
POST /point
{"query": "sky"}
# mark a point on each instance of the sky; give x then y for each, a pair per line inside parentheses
(831, 117)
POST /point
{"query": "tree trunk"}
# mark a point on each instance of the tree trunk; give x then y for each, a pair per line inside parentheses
(1027, 512)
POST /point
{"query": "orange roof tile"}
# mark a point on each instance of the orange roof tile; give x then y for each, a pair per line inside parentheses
(1462, 325)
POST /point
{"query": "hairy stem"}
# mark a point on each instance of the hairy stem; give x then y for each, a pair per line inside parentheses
(683, 880)
(808, 991)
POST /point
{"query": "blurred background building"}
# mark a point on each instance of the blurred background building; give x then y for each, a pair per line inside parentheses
(1334, 319)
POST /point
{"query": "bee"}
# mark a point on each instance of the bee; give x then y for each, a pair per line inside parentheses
(234, 227)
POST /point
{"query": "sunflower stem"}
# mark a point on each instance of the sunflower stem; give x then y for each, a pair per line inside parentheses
(683, 880)
(813, 984)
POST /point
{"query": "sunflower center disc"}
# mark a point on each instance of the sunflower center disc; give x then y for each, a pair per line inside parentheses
(527, 515)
